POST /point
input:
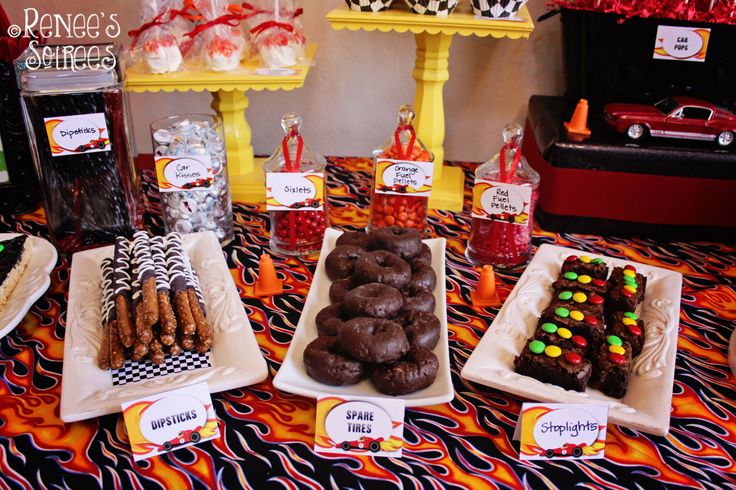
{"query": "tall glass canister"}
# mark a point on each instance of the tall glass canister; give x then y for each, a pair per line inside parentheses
(75, 112)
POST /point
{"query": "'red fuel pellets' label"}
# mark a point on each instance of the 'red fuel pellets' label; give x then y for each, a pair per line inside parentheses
(501, 202)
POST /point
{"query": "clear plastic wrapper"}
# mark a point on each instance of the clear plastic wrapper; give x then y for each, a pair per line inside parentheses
(277, 34)
(155, 42)
(218, 40)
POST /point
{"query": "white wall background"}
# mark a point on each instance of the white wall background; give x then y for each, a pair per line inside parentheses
(359, 80)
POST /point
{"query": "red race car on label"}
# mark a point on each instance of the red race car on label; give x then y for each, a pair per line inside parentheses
(198, 183)
(675, 117)
(184, 437)
(93, 144)
(567, 449)
(394, 188)
(362, 444)
(314, 203)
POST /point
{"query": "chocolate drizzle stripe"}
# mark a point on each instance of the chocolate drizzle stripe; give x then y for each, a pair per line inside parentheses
(175, 262)
(159, 258)
(108, 301)
(142, 253)
(121, 264)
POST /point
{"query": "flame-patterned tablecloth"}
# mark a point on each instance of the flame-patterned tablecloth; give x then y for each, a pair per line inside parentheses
(268, 435)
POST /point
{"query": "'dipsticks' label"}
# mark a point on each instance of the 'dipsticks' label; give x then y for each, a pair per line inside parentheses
(501, 202)
(184, 173)
(73, 135)
(401, 177)
(295, 191)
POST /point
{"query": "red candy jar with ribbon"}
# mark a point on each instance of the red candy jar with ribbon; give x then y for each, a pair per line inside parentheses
(504, 197)
(402, 178)
(295, 193)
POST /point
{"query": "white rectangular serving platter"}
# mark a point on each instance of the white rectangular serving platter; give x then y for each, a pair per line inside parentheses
(87, 391)
(34, 281)
(647, 403)
(293, 378)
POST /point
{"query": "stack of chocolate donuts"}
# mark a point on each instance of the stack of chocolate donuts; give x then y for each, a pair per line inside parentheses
(381, 323)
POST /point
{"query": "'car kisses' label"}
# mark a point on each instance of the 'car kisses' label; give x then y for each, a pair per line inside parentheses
(295, 191)
(72, 135)
(501, 202)
(403, 177)
(184, 173)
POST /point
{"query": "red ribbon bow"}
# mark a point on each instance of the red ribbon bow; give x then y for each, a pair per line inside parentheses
(136, 33)
(232, 19)
(511, 145)
(409, 146)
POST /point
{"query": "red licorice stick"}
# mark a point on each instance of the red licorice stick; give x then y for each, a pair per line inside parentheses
(292, 166)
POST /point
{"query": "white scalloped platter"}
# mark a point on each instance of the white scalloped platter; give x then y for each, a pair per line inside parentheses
(292, 376)
(34, 281)
(87, 391)
(647, 404)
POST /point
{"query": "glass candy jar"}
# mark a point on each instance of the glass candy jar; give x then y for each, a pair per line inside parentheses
(191, 167)
(295, 193)
(504, 197)
(402, 178)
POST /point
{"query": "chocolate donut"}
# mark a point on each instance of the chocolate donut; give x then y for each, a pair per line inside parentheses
(339, 288)
(384, 267)
(404, 242)
(422, 330)
(340, 262)
(373, 340)
(423, 277)
(373, 300)
(355, 238)
(327, 364)
(329, 319)
(415, 371)
(423, 257)
(423, 300)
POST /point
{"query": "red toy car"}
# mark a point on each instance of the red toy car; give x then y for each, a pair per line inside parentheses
(675, 117)
(98, 143)
(363, 444)
(568, 449)
(184, 437)
(394, 188)
(306, 203)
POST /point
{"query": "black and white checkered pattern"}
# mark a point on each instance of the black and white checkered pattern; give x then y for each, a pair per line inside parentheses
(441, 8)
(133, 371)
(369, 5)
(497, 9)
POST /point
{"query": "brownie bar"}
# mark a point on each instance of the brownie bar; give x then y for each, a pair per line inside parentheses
(578, 300)
(551, 334)
(584, 265)
(550, 364)
(629, 327)
(627, 289)
(572, 281)
(612, 363)
(577, 321)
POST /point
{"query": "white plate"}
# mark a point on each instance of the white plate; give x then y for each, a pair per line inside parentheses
(646, 406)
(87, 391)
(293, 378)
(32, 284)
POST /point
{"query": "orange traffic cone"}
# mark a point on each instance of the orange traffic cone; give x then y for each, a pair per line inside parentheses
(577, 129)
(268, 283)
(486, 294)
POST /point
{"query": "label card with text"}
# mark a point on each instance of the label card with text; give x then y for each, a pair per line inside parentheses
(72, 135)
(167, 421)
(295, 191)
(562, 431)
(359, 426)
(681, 43)
(184, 173)
(402, 177)
(501, 202)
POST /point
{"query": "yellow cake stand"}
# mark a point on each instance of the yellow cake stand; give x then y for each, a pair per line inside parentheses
(228, 89)
(433, 36)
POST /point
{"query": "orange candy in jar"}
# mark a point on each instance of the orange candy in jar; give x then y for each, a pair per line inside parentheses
(400, 197)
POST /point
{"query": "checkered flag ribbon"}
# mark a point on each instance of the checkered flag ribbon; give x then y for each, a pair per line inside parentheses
(369, 5)
(133, 371)
(441, 8)
(497, 9)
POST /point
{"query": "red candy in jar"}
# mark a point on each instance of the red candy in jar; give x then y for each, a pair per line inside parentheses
(504, 197)
(401, 179)
(295, 193)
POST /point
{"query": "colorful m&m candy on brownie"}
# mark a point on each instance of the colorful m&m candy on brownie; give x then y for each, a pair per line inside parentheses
(572, 281)
(580, 300)
(585, 265)
(629, 327)
(578, 321)
(550, 363)
(612, 363)
(627, 289)
(551, 334)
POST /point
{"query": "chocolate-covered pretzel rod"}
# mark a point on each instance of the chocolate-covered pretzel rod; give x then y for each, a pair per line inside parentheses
(167, 319)
(146, 276)
(203, 342)
(122, 291)
(117, 353)
(156, 352)
(143, 331)
(108, 305)
(178, 282)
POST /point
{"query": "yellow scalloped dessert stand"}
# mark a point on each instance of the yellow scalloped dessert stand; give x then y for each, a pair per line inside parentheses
(433, 36)
(247, 182)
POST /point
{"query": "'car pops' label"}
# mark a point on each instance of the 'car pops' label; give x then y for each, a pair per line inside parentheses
(72, 135)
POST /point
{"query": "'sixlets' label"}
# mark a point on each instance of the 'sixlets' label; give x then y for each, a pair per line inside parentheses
(72, 135)
(300, 191)
(501, 202)
(403, 177)
(184, 173)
